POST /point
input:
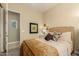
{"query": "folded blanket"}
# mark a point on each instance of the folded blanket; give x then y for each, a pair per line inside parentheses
(35, 47)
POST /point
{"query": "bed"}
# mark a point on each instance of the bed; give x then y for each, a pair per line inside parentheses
(41, 47)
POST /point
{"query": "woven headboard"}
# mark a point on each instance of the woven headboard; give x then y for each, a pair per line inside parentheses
(64, 29)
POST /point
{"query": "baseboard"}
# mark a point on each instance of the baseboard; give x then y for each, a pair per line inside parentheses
(13, 45)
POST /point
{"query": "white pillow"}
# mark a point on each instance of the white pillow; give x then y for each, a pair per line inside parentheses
(66, 36)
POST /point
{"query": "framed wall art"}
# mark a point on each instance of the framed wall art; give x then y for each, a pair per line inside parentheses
(33, 28)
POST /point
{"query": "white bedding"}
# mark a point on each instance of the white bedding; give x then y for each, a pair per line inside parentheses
(64, 48)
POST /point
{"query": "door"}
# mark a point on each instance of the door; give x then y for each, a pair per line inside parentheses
(13, 29)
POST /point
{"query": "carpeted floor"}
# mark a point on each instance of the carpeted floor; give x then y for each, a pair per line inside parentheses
(12, 52)
(2, 54)
(16, 52)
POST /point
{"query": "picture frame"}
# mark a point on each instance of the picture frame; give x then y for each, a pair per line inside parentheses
(33, 28)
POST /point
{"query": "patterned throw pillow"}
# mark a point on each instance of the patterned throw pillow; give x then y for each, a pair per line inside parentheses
(56, 36)
(53, 36)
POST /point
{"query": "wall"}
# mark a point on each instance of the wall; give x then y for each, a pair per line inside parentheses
(64, 15)
(27, 15)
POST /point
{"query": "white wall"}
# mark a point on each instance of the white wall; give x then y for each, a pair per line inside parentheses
(27, 15)
(64, 15)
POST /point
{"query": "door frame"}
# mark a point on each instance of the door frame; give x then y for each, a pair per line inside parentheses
(7, 26)
(2, 31)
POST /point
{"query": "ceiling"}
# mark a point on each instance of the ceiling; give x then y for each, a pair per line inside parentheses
(41, 7)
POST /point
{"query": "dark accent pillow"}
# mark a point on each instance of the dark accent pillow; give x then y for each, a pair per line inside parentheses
(49, 37)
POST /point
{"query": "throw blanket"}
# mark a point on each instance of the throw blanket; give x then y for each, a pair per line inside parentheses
(34, 47)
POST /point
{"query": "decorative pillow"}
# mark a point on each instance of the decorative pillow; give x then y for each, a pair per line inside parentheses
(66, 36)
(56, 36)
(43, 33)
(49, 37)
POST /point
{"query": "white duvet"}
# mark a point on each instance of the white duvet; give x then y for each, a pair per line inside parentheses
(64, 48)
